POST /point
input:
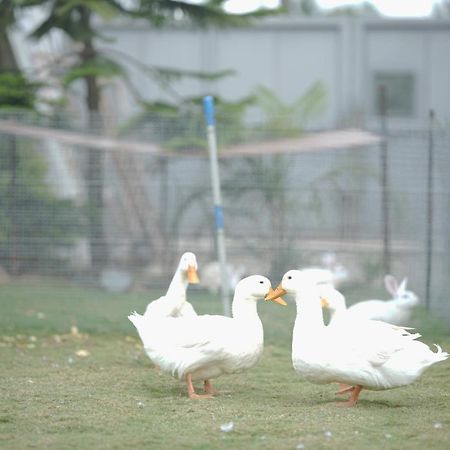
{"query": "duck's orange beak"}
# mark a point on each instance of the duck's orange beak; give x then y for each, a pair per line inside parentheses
(192, 275)
(275, 295)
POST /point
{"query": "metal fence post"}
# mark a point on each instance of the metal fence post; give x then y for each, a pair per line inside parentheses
(385, 210)
(430, 186)
(208, 107)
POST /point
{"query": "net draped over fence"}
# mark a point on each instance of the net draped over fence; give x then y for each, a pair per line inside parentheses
(81, 206)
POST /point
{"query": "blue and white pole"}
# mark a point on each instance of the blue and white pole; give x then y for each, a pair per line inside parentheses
(208, 108)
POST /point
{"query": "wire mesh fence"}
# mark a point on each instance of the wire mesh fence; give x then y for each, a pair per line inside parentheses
(114, 207)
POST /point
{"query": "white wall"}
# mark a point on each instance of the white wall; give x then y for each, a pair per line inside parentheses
(287, 55)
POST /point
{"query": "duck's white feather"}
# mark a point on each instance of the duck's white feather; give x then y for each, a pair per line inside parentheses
(373, 354)
(174, 303)
(210, 345)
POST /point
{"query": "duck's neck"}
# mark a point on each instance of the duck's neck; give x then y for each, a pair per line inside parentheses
(245, 316)
(178, 286)
(309, 311)
(338, 313)
(244, 308)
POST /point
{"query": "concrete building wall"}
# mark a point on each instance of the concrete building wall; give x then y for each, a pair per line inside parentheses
(287, 55)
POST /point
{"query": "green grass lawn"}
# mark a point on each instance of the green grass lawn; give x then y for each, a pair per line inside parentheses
(113, 398)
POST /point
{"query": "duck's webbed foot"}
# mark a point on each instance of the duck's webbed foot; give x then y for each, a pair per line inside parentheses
(344, 389)
(191, 391)
(208, 387)
(195, 396)
(355, 391)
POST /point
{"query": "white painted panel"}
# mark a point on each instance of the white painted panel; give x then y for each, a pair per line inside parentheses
(287, 59)
(250, 54)
(439, 67)
(287, 62)
(397, 51)
(173, 49)
(307, 57)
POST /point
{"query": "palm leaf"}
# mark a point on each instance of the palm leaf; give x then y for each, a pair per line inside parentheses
(105, 9)
(209, 13)
(311, 103)
(170, 74)
(289, 119)
(96, 67)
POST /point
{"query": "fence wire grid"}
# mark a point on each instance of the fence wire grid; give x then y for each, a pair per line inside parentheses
(117, 217)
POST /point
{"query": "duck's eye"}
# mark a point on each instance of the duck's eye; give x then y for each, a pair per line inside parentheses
(261, 282)
(289, 277)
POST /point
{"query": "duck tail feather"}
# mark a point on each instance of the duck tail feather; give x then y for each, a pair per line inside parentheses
(440, 355)
(135, 318)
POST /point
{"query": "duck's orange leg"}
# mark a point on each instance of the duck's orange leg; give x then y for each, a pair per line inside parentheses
(353, 398)
(191, 390)
(344, 389)
(208, 387)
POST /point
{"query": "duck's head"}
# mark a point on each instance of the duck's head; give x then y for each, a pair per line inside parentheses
(290, 284)
(256, 287)
(293, 282)
(188, 266)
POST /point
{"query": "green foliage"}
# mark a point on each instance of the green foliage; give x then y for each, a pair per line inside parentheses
(309, 8)
(7, 12)
(107, 10)
(269, 175)
(288, 119)
(272, 172)
(34, 222)
(73, 17)
(94, 67)
(16, 92)
(171, 75)
(182, 126)
(365, 9)
(205, 14)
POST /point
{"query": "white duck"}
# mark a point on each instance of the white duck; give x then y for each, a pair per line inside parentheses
(174, 303)
(361, 354)
(335, 302)
(396, 311)
(204, 347)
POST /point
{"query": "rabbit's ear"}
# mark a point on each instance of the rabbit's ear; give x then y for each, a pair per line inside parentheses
(391, 284)
(402, 287)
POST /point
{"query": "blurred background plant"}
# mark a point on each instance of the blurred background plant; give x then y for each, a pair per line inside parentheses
(23, 172)
(282, 119)
(94, 67)
(181, 126)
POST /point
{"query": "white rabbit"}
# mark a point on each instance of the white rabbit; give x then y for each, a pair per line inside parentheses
(396, 311)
